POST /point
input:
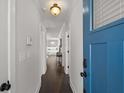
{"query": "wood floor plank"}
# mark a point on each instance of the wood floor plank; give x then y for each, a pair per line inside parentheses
(55, 80)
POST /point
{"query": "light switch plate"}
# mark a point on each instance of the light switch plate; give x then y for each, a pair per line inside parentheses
(29, 41)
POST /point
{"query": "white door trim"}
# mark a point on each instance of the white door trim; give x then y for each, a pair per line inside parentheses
(66, 53)
(12, 45)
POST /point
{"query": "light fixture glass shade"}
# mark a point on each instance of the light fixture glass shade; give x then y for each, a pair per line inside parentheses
(55, 10)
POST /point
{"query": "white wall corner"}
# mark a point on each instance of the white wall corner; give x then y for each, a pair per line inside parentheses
(38, 87)
(44, 69)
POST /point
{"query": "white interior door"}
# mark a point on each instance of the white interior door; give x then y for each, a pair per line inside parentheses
(67, 53)
(4, 75)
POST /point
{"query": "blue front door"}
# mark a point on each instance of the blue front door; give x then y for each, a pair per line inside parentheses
(104, 54)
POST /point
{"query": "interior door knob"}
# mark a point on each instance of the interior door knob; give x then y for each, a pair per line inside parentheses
(5, 86)
(8, 85)
(83, 74)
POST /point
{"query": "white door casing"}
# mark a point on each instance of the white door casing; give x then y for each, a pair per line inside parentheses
(7, 43)
(67, 52)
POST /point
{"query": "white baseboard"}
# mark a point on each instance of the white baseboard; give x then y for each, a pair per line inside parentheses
(72, 87)
(38, 87)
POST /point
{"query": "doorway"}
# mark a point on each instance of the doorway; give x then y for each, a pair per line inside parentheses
(55, 80)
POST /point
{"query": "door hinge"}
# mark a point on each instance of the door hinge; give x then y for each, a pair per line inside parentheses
(68, 36)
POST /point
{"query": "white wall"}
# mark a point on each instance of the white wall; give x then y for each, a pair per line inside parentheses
(76, 63)
(43, 46)
(3, 41)
(28, 66)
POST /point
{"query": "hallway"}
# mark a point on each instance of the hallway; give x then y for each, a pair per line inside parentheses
(87, 34)
(55, 80)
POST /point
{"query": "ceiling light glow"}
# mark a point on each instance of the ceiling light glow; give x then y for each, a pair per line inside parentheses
(55, 10)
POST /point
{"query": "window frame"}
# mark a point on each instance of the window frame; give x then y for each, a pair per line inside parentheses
(107, 26)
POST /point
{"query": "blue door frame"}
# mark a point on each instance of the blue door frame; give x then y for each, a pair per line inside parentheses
(104, 54)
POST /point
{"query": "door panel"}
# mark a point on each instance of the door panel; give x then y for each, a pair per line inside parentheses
(115, 67)
(3, 42)
(99, 67)
(104, 52)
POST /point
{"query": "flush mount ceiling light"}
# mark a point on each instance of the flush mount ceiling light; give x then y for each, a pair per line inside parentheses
(55, 10)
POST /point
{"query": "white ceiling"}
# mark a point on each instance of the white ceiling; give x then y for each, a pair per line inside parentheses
(52, 23)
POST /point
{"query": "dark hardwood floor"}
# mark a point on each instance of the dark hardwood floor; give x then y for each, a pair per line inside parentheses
(55, 80)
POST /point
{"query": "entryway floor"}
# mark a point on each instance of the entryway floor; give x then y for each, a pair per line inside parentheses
(55, 80)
